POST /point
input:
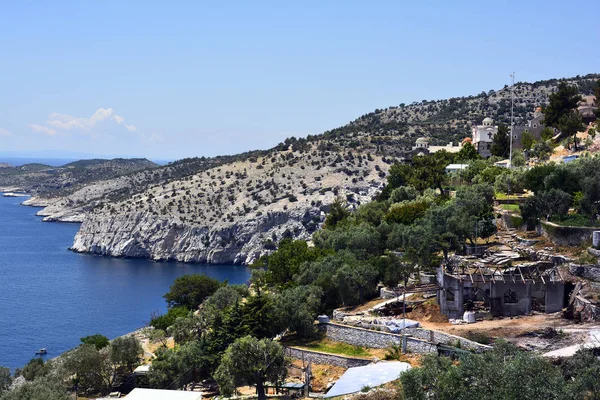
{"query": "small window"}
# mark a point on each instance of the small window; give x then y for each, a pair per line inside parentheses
(449, 295)
(510, 297)
(515, 136)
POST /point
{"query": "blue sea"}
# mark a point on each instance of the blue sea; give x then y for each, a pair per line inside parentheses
(51, 297)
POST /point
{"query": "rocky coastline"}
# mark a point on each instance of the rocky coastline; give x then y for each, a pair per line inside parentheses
(142, 236)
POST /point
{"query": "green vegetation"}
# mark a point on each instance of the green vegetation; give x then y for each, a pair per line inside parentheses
(249, 361)
(225, 332)
(503, 373)
(92, 370)
(511, 207)
(189, 291)
(99, 341)
(562, 188)
(327, 346)
(561, 112)
(501, 142)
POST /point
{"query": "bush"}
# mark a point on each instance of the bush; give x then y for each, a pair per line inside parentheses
(479, 337)
(406, 213)
(164, 321)
(99, 341)
(190, 291)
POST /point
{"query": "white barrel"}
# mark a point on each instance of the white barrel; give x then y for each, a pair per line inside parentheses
(469, 317)
(596, 239)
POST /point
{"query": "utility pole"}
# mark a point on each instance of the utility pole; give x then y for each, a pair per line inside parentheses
(512, 105)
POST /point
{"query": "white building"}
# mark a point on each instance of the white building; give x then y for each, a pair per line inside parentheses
(422, 144)
(483, 135)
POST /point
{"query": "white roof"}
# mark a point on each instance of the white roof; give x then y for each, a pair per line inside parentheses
(142, 369)
(372, 375)
(160, 394)
(451, 167)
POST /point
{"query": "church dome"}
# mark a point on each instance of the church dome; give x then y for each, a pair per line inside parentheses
(488, 121)
(422, 140)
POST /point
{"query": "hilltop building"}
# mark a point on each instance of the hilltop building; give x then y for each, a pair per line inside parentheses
(422, 147)
(483, 135)
(534, 126)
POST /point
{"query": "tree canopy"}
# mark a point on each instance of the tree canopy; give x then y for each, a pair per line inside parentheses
(251, 361)
(561, 112)
(190, 291)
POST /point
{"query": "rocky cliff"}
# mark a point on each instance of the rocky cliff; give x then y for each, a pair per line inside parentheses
(233, 213)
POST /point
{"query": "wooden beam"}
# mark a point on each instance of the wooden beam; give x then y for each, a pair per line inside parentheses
(481, 273)
(521, 272)
(501, 274)
(541, 277)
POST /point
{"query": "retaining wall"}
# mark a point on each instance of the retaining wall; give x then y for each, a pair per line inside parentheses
(587, 271)
(374, 339)
(567, 235)
(326, 358)
(377, 339)
(445, 338)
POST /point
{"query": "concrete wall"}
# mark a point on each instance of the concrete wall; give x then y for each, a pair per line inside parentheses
(523, 294)
(325, 358)
(555, 297)
(567, 235)
(453, 308)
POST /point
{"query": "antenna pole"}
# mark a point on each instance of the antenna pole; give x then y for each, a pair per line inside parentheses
(512, 103)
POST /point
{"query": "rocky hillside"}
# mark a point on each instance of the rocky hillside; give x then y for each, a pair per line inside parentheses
(56, 182)
(234, 212)
(394, 130)
(235, 208)
(74, 204)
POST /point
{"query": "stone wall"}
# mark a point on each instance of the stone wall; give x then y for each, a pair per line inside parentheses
(510, 220)
(325, 358)
(587, 271)
(418, 340)
(567, 235)
(374, 339)
(445, 338)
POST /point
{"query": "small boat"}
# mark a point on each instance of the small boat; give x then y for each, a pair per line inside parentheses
(42, 351)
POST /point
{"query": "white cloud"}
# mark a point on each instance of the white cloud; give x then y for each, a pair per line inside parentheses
(43, 129)
(63, 122)
(5, 132)
(66, 122)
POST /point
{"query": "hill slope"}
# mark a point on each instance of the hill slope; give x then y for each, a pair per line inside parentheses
(235, 208)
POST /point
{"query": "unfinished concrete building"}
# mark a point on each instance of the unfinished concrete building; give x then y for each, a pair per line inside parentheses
(501, 284)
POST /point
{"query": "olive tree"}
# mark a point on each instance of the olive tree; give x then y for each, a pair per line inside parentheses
(251, 361)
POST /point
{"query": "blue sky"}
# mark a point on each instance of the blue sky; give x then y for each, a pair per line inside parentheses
(177, 79)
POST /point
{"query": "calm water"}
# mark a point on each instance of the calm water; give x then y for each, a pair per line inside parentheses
(50, 297)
